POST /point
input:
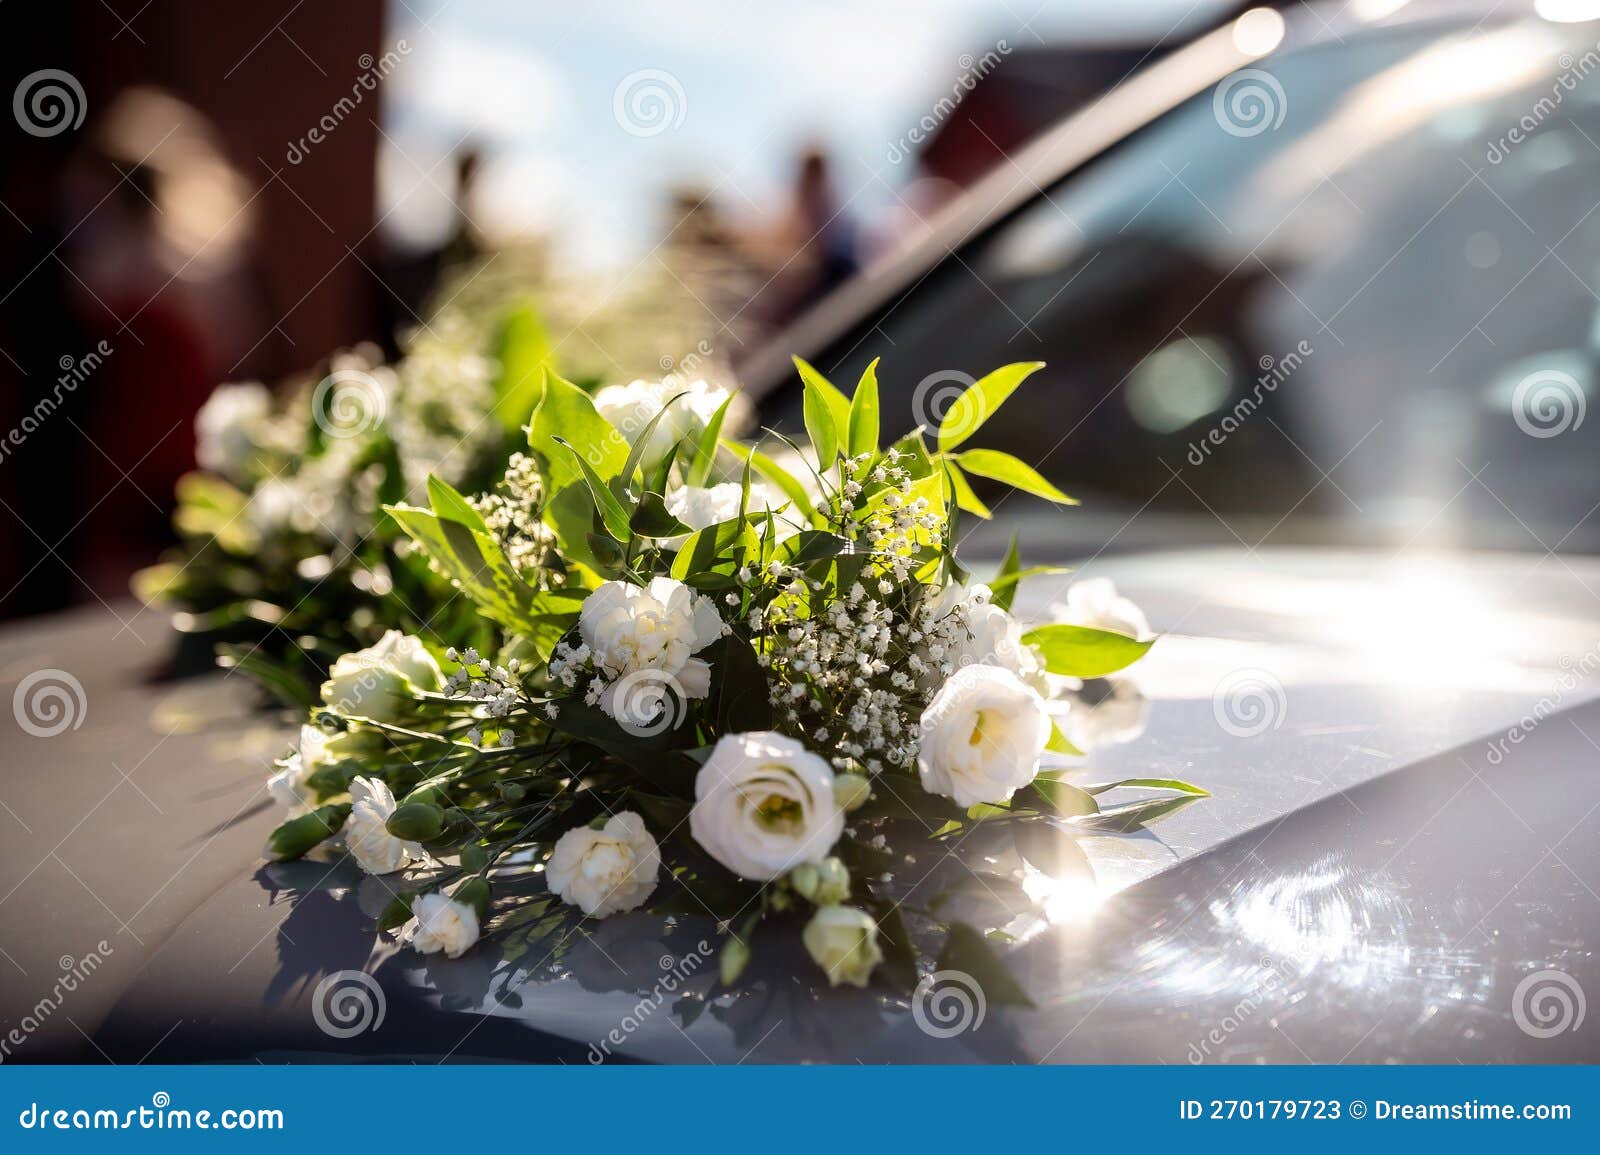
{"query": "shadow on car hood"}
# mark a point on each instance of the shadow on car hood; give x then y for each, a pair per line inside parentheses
(1403, 829)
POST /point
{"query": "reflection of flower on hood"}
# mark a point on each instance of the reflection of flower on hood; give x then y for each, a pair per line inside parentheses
(1105, 712)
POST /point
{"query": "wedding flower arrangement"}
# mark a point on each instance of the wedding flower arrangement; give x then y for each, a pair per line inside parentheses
(701, 676)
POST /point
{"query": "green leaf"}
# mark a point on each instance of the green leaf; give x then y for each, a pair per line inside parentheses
(899, 966)
(863, 423)
(965, 497)
(738, 702)
(811, 545)
(708, 547)
(778, 475)
(1177, 784)
(1006, 585)
(611, 511)
(1058, 742)
(652, 519)
(1136, 815)
(1059, 797)
(705, 453)
(475, 562)
(820, 425)
(524, 352)
(998, 466)
(966, 950)
(1082, 652)
(449, 504)
(838, 403)
(566, 411)
(981, 401)
(636, 454)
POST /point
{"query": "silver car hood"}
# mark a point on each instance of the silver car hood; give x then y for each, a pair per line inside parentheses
(1403, 828)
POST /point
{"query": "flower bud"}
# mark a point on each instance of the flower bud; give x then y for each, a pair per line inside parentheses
(851, 791)
(804, 879)
(474, 893)
(833, 882)
(297, 836)
(416, 822)
(735, 957)
(843, 941)
(474, 858)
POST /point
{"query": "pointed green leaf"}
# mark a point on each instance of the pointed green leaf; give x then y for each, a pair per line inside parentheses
(566, 411)
(705, 453)
(1000, 466)
(967, 951)
(864, 413)
(524, 353)
(980, 402)
(1082, 652)
(1177, 784)
(838, 403)
(820, 425)
(611, 511)
(449, 504)
(962, 488)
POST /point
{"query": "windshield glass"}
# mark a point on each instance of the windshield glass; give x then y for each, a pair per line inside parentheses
(1348, 294)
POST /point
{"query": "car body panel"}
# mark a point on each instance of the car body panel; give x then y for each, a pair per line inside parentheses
(1370, 880)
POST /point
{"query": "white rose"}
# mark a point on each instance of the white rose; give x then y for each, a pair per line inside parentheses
(440, 923)
(981, 736)
(658, 627)
(1095, 603)
(984, 634)
(631, 407)
(378, 681)
(608, 870)
(365, 834)
(764, 804)
(843, 941)
(228, 429)
(699, 507)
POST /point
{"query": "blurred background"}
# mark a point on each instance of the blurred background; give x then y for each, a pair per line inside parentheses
(195, 194)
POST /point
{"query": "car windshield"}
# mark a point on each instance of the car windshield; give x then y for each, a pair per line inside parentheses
(1348, 294)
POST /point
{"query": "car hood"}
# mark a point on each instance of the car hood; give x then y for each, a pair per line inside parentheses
(1402, 831)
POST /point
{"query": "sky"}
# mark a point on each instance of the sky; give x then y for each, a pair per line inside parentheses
(592, 110)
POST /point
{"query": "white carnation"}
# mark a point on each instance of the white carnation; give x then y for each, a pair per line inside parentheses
(607, 870)
(658, 627)
(982, 736)
(378, 681)
(366, 835)
(764, 804)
